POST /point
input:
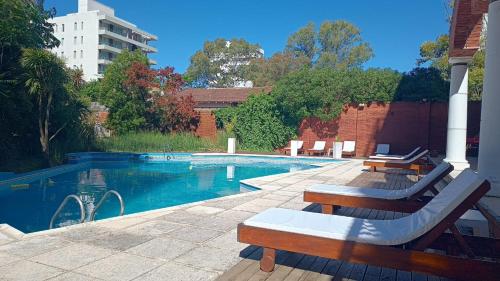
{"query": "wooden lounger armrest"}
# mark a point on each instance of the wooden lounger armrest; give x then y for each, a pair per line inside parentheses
(326, 200)
(356, 252)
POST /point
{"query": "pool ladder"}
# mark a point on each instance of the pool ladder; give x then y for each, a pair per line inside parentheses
(167, 149)
(82, 209)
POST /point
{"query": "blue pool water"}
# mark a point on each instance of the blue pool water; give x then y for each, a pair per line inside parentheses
(144, 185)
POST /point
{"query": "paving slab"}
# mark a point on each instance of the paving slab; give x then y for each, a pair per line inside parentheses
(183, 217)
(73, 256)
(227, 241)
(163, 248)
(236, 215)
(27, 271)
(210, 258)
(177, 272)
(204, 210)
(194, 234)
(120, 267)
(34, 246)
(71, 276)
(218, 223)
(119, 240)
(154, 227)
(6, 258)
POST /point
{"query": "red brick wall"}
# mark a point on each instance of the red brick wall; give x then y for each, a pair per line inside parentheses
(403, 125)
(206, 127)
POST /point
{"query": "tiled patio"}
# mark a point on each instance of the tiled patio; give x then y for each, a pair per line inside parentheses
(192, 242)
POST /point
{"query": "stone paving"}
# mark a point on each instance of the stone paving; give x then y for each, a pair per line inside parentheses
(190, 242)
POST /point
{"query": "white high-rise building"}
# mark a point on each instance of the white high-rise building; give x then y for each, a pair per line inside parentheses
(92, 37)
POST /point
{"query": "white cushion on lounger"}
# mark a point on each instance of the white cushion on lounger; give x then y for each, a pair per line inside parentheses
(371, 192)
(378, 232)
(319, 145)
(349, 146)
(394, 157)
(407, 161)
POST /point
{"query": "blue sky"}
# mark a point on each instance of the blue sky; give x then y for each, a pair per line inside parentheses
(394, 28)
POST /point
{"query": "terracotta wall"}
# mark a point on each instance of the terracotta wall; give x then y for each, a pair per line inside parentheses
(403, 125)
(206, 127)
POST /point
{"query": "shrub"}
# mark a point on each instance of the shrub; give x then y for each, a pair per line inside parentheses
(324, 92)
(257, 124)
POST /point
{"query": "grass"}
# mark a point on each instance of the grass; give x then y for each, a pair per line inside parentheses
(157, 142)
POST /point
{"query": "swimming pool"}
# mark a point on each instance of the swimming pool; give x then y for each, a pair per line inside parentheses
(145, 181)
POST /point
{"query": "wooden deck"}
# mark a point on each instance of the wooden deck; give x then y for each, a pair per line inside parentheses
(294, 267)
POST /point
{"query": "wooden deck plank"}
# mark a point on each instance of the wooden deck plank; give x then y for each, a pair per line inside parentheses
(298, 267)
(300, 271)
(285, 269)
(315, 270)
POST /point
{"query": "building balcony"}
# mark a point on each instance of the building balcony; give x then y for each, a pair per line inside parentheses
(111, 34)
(109, 48)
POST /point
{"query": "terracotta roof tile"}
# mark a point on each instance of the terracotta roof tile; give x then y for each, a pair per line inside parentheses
(222, 95)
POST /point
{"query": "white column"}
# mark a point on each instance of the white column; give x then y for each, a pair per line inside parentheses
(489, 140)
(293, 148)
(457, 113)
(231, 145)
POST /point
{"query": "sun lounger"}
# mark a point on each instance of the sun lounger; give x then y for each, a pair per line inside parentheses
(382, 149)
(300, 144)
(395, 157)
(403, 200)
(403, 243)
(318, 148)
(349, 148)
(407, 164)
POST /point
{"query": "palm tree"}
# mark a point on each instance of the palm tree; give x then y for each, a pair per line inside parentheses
(45, 78)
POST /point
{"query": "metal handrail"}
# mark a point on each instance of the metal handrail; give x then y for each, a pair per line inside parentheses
(64, 202)
(120, 199)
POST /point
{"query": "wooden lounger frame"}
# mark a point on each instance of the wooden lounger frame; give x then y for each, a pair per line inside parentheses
(299, 150)
(407, 205)
(409, 257)
(415, 166)
(314, 151)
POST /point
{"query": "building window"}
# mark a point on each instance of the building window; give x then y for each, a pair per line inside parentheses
(76, 26)
(62, 27)
(81, 54)
(81, 66)
(81, 25)
(62, 54)
(55, 25)
(62, 41)
(74, 54)
(74, 40)
(81, 40)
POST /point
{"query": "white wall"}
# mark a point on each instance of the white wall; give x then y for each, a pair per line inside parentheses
(90, 41)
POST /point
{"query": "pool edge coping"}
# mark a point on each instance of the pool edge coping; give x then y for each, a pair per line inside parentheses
(17, 234)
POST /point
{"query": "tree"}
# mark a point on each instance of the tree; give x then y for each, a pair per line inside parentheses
(341, 46)
(127, 108)
(266, 72)
(24, 24)
(303, 42)
(323, 93)
(45, 78)
(337, 45)
(173, 113)
(219, 63)
(434, 54)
